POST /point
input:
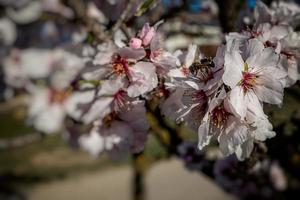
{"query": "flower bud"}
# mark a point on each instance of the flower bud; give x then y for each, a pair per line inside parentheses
(135, 43)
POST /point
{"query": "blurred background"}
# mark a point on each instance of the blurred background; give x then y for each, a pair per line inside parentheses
(36, 166)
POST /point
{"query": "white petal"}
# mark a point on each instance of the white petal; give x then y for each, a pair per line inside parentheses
(98, 110)
(190, 56)
(254, 107)
(244, 150)
(270, 88)
(238, 102)
(129, 53)
(234, 65)
(93, 143)
(143, 79)
(254, 47)
(204, 135)
(263, 130)
(266, 58)
(234, 135)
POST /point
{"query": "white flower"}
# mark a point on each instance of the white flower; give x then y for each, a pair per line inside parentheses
(250, 79)
(22, 66)
(118, 133)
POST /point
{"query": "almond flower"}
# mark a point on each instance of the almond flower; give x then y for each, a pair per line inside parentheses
(47, 109)
(126, 63)
(234, 135)
(118, 133)
(250, 80)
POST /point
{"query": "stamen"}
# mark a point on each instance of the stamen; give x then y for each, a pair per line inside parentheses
(248, 81)
(120, 65)
(219, 116)
(58, 96)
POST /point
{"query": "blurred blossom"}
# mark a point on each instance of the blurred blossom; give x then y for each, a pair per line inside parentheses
(8, 32)
(278, 177)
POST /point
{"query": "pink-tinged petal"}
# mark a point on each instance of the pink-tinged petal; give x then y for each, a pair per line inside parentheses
(146, 34)
(130, 53)
(234, 65)
(135, 43)
(238, 102)
(147, 39)
(144, 30)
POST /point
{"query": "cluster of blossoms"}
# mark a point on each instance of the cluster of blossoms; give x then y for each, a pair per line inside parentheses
(223, 97)
(108, 85)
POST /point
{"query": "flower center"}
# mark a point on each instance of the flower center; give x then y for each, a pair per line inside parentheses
(248, 81)
(120, 65)
(219, 116)
(185, 71)
(59, 96)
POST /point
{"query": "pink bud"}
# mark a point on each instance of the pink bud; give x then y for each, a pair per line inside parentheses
(135, 43)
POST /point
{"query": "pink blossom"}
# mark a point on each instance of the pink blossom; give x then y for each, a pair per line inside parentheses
(146, 34)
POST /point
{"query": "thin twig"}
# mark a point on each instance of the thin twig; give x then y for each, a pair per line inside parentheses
(123, 17)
